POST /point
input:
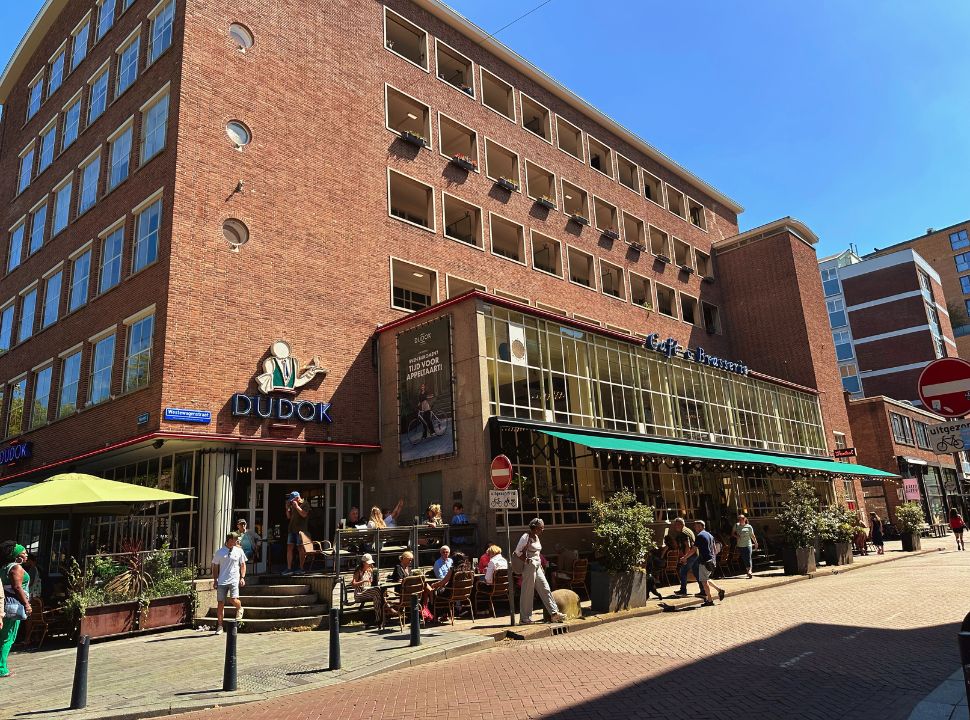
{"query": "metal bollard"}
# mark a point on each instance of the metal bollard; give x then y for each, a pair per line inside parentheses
(229, 670)
(415, 621)
(334, 638)
(79, 693)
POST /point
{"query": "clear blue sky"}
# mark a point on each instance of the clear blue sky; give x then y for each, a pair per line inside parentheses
(853, 116)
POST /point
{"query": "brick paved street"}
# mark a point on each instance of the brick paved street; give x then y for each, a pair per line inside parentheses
(865, 644)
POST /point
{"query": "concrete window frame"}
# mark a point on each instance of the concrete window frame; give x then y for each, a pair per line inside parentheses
(599, 154)
(490, 84)
(397, 25)
(455, 60)
(577, 134)
(612, 280)
(500, 221)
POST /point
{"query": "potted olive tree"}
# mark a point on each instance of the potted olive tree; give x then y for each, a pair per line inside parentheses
(836, 528)
(910, 518)
(622, 538)
(798, 520)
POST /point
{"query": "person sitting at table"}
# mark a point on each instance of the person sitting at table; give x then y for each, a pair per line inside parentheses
(443, 564)
(457, 564)
(405, 568)
(364, 588)
(483, 560)
(390, 520)
(376, 521)
(433, 516)
(495, 562)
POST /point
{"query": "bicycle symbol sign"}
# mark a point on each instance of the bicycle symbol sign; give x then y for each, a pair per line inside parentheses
(949, 437)
(503, 499)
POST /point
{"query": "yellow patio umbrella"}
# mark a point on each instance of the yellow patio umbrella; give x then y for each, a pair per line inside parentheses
(80, 494)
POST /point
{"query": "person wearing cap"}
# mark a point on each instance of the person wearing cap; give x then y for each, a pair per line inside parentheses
(365, 588)
(298, 515)
(249, 540)
(228, 575)
(16, 584)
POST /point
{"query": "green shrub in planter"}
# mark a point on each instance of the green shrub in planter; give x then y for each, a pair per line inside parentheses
(622, 537)
(910, 518)
(798, 521)
(836, 529)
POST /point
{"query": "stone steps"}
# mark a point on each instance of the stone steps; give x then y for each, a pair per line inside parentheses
(276, 590)
(274, 613)
(269, 601)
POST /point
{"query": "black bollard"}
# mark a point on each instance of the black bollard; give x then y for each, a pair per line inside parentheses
(79, 693)
(415, 621)
(229, 671)
(334, 638)
(964, 639)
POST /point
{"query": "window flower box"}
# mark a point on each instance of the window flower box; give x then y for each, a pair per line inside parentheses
(611, 234)
(507, 184)
(639, 247)
(464, 162)
(663, 258)
(467, 89)
(413, 138)
(579, 219)
(708, 278)
(546, 202)
(687, 270)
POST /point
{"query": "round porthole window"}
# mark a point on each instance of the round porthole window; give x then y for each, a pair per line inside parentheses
(241, 37)
(238, 133)
(235, 232)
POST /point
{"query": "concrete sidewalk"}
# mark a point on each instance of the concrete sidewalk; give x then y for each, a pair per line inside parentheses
(947, 702)
(181, 671)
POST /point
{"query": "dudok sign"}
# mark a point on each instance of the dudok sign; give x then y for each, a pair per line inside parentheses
(282, 376)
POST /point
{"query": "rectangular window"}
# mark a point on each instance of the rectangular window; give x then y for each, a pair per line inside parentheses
(26, 170)
(899, 433)
(35, 94)
(660, 243)
(88, 191)
(653, 188)
(15, 417)
(38, 225)
(612, 281)
(48, 138)
(407, 116)
(581, 270)
(570, 138)
(6, 326)
(98, 96)
(160, 36)
(508, 238)
(62, 207)
(111, 251)
(120, 158)
(457, 286)
(52, 299)
(850, 378)
(635, 232)
(410, 200)
(501, 163)
(154, 129)
(42, 397)
(458, 142)
(80, 281)
(575, 202)
(830, 281)
(454, 68)
(463, 221)
(843, 345)
(922, 435)
(605, 217)
(696, 213)
(627, 173)
(146, 236)
(498, 95)
(666, 299)
(72, 123)
(600, 156)
(962, 262)
(536, 118)
(28, 313)
(540, 184)
(712, 318)
(79, 49)
(16, 249)
(965, 284)
(676, 202)
(405, 39)
(57, 73)
(688, 309)
(959, 240)
(836, 309)
(412, 287)
(682, 254)
(128, 65)
(70, 377)
(640, 291)
(139, 355)
(102, 361)
(106, 17)
(546, 254)
(702, 261)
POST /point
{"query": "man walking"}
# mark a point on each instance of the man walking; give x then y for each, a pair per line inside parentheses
(228, 575)
(707, 557)
(682, 542)
(297, 514)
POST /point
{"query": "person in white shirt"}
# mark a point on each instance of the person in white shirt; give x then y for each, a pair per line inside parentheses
(495, 562)
(391, 518)
(228, 575)
(528, 551)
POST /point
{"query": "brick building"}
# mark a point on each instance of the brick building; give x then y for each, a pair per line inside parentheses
(948, 253)
(893, 436)
(187, 182)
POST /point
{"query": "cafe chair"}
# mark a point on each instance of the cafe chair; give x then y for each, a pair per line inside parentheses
(411, 586)
(35, 627)
(575, 579)
(498, 589)
(459, 593)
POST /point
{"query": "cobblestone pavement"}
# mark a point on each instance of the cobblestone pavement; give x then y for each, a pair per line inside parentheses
(861, 645)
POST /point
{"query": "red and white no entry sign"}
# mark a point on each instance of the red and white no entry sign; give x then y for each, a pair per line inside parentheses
(944, 387)
(501, 472)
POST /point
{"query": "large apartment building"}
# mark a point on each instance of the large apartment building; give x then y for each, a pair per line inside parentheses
(357, 249)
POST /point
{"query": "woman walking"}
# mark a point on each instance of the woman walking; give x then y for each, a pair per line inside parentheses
(875, 532)
(16, 603)
(529, 552)
(957, 526)
(747, 542)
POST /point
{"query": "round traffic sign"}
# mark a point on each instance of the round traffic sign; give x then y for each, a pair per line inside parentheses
(944, 387)
(501, 472)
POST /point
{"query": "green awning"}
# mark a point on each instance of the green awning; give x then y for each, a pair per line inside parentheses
(663, 448)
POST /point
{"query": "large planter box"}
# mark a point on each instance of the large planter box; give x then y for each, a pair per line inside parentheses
(911, 541)
(799, 561)
(610, 592)
(837, 553)
(101, 621)
(166, 612)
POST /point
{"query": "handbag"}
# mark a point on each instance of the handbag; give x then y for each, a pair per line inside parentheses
(13, 608)
(710, 565)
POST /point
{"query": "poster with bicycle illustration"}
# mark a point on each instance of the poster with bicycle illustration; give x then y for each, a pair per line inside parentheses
(426, 405)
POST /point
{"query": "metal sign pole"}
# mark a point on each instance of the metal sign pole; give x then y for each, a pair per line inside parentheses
(508, 539)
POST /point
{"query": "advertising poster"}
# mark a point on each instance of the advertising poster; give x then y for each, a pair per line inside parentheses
(910, 489)
(426, 404)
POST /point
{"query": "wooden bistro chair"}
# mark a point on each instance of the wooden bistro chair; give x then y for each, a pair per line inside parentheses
(35, 627)
(575, 579)
(459, 592)
(725, 559)
(315, 552)
(669, 572)
(411, 586)
(498, 589)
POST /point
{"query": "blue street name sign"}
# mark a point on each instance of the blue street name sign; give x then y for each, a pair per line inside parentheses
(202, 417)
